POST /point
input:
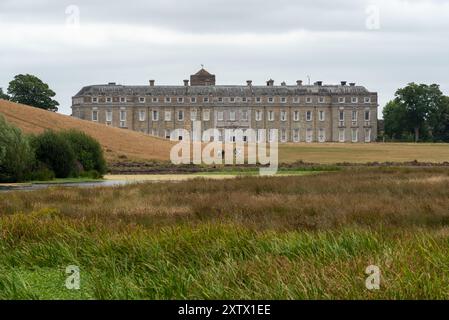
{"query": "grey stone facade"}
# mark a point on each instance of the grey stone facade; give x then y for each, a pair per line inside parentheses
(301, 113)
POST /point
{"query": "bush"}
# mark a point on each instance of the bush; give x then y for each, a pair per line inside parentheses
(55, 152)
(16, 154)
(42, 173)
(87, 151)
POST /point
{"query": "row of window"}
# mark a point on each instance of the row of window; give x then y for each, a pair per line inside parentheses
(295, 135)
(232, 115)
(229, 99)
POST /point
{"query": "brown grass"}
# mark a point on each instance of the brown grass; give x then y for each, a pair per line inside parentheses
(364, 196)
(116, 142)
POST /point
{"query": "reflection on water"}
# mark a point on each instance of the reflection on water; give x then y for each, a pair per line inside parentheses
(30, 187)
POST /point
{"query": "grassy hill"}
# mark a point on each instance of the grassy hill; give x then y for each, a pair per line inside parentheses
(117, 143)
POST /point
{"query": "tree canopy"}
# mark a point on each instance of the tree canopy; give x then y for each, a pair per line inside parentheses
(3, 95)
(30, 90)
(419, 110)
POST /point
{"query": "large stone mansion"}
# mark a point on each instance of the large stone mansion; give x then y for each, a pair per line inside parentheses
(301, 113)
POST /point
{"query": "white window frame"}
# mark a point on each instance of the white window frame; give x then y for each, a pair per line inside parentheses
(309, 135)
(283, 100)
(283, 115)
(193, 115)
(354, 118)
(367, 135)
(321, 115)
(109, 99)
(354, 99)
(309, 115)
(142, 115)
(244, 115)
(94, 99)
(259, 115)
(270, 115)
(108, 115)
(232, 116)
(122, 99)
(180, 115)
(155, 99)
(296, 115)
(206, 115)
(206, 99)
(155, 115)
(296, 100)
(341, 99)
(295, 135)
(123, 115)
(354, 137)
(367, 112)
(308, 99)
(258, 100)
(167, 115)
(95, 112)
(321, 100)
(340, 114)
(341, 135)
(192, 99)
(367, 100)
(270, 99)
(321, 135)
(220, 115)
(283, 136)
(141, 99)
(180, 100)
(167, 99)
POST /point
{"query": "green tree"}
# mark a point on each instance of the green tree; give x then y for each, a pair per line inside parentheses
(88, 151)
(439, 121)
(55, 152)
(419, 101)
(30, 90)
(3, 95)
(395, 120)
(16, 154)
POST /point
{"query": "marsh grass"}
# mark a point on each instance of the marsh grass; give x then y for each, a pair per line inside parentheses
(300, 237)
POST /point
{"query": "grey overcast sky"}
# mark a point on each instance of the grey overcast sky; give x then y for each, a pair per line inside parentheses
(381, 44)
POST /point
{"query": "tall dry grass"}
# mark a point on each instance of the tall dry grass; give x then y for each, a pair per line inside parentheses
(303, 237)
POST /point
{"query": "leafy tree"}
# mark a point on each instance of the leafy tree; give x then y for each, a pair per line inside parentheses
(395, 120)
(439, 121)
(30, 90)
(16, 154)
(419, 101)
(55, 152)
(3, 95)
(87, 151)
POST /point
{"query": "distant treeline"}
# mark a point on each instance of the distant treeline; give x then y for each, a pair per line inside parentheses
(419, 112)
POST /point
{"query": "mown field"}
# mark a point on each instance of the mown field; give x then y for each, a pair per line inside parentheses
(296, 237)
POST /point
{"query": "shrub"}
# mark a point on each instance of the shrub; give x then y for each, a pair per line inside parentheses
(16, 154)
(42, 173)
(87, 151)
(55, 152)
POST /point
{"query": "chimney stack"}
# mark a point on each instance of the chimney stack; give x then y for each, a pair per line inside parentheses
(319, 83)
(270, 83)
(299, 82)
(249, 82)
(151, 83)
(283, 84)
(352, 84)
(186, 83)
(343, 83)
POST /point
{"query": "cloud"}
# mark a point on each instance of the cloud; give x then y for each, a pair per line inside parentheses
(238, 40)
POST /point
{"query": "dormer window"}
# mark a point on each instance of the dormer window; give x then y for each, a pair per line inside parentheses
(354, 100)
(321, 100)
(258, 100)
(367, 100)
(193, 99)
(94, 100)
(180, 100)
(283, 100)
(308, 100)
(270, 99)
(167, 99)
(142, 99)
(341, 100)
